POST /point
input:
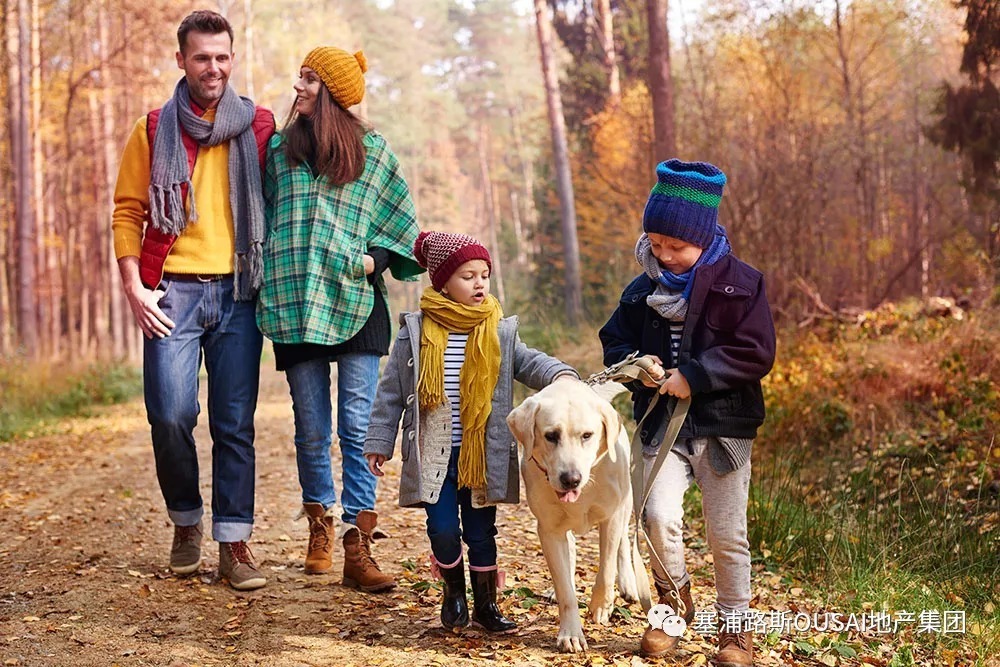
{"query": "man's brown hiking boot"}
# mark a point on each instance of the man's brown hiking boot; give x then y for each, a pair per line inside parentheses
(237, 564)
(185, 552)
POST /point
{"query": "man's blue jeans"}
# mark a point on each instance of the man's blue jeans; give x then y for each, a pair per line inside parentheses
(309, 385)
(443, 527)
(213, 327)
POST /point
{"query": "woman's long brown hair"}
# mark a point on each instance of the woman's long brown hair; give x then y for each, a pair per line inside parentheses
(331, 140)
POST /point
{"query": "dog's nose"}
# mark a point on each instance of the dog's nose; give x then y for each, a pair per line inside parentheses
(570, 480)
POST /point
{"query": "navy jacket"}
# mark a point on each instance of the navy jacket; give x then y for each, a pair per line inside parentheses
(726, 348)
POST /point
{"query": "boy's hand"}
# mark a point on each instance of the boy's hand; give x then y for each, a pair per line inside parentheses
(654, 371)
(375, 463)
(676, 385)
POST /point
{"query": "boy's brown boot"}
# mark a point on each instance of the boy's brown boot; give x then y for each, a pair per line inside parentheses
(320, 556)
(655, 642)
(360, 569)
(735, 649)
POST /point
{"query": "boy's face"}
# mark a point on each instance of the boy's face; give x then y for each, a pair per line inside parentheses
(674, 255)
(469, 285)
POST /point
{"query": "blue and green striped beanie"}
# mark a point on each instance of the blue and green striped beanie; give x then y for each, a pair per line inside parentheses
(684, 203)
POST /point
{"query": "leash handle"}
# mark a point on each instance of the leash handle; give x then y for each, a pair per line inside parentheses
(641, 488)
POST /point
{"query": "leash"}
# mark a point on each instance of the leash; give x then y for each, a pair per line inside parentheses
(634, 367)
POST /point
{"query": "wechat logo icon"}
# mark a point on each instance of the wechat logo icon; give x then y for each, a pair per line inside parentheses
(662, 617)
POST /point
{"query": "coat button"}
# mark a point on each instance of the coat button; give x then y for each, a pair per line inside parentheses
(643, 434)
(409, 399)
(729, 289)
(409, 362)
(410, 436)
(656, 324)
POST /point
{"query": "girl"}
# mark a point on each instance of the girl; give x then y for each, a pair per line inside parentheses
(339, 213)
(450, 377)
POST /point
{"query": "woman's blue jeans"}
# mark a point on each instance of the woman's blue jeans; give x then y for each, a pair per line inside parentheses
(309, 385)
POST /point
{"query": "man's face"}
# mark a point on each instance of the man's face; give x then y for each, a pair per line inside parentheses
(207, 61)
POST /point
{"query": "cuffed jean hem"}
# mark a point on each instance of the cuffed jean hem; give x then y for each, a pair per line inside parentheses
(186, 517)
(231, 531)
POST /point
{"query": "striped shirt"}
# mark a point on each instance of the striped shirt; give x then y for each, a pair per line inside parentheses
(454, 357)
(676, 328)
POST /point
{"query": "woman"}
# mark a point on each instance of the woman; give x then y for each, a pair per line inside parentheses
(339, 213)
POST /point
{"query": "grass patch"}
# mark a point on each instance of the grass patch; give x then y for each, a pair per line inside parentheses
(34, 395)
(874, 474)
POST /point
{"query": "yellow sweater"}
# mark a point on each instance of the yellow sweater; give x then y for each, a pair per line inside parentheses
(206, 246)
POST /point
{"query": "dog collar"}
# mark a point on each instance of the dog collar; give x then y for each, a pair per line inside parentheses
(544, 471)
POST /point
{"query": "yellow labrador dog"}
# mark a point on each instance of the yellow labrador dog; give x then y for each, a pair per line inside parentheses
(575, 466)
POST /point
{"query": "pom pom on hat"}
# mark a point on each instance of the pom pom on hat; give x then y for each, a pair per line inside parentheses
(441, 253)
(684, 203)
(341, 72)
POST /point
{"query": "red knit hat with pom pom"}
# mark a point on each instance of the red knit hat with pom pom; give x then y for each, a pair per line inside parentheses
(441, 253)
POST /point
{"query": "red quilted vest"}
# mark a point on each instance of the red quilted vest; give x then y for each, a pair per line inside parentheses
(155, 244)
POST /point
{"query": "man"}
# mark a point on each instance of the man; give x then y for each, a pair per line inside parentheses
(188, 226)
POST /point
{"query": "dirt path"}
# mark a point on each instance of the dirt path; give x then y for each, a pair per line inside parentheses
(83, 581)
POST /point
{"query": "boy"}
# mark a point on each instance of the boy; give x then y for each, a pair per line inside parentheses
(702, 315)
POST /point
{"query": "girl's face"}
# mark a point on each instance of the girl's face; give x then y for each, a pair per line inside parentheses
(307, 91)
(469, 285)
(674, 255)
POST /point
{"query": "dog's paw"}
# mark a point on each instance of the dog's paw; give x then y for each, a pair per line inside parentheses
(602, 614)
(550, 596)
(629, 592)
(572, 643)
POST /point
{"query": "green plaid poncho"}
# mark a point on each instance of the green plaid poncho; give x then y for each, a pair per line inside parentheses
(315, 289)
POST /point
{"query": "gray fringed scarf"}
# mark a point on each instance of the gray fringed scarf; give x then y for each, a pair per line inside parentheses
(169, 171)
(669, 304)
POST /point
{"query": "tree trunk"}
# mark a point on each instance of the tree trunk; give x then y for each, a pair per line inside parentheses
(858, 152)
(528, 184)
(8, 242)
(606, 33)
(27, 303)
(491, 213)
(111, 282)
(564, 178)
(248, 47)
(661, 82)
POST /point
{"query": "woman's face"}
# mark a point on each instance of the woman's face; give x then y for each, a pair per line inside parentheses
(469, 285)
(307, 91)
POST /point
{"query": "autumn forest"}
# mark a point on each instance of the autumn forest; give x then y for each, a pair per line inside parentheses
(857, 153)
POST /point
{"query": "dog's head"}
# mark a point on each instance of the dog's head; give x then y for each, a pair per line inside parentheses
(566, 427)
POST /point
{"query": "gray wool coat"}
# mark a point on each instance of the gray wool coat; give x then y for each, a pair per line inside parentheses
(426, 441)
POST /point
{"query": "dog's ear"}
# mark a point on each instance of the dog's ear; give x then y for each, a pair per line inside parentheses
(521, 421)
(612, 426)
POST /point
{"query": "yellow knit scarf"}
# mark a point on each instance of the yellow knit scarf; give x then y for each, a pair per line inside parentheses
(477, 379)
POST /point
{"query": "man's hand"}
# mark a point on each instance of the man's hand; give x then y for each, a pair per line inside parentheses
(143, 301)
(676, 385)
(369, 264)
(144, 304)
(375, 463)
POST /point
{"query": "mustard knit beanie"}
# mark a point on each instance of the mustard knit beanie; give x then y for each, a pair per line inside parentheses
(341, 72)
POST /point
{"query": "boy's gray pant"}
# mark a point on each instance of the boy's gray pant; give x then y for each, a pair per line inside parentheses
(724, 505)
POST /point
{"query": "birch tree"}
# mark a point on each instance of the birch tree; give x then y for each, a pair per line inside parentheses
(564, 179)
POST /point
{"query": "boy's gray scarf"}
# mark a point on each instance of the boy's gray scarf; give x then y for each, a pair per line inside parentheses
(670, 305)
(169, 171)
